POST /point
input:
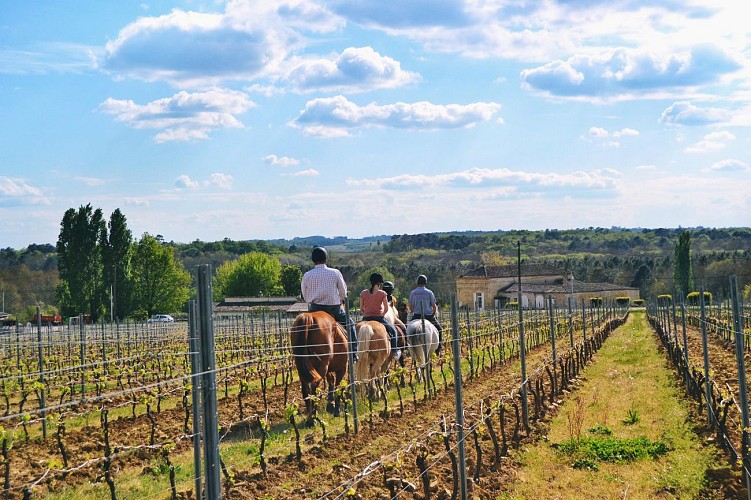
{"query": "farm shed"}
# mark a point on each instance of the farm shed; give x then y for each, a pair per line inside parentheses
(488, 286)
(232, 307)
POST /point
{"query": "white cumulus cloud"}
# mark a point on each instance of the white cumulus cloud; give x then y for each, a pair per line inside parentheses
(338, 114)
(281, 161)
(185, 115)
(730, 165)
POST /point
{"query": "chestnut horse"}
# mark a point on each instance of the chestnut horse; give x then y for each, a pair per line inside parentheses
(373, 350)
(319, 345)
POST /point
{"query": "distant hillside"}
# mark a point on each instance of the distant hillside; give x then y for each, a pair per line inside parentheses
(341, 243)
(637, 257)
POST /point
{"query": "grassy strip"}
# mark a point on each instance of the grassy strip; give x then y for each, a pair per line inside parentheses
(623, 434)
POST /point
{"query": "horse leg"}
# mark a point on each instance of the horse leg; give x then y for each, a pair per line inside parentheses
(401, 342)
(331, 406)
(309, 407)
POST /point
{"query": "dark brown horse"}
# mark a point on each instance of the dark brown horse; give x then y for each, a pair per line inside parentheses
(319, 345)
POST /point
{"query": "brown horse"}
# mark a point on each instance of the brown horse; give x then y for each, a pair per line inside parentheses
(319, 345)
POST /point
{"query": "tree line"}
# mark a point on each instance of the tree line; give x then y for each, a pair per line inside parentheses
(97, 268)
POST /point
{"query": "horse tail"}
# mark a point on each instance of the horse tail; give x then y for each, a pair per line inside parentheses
(418, 341)
(300, 331)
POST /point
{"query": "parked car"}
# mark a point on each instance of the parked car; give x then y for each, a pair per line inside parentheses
(161, 318)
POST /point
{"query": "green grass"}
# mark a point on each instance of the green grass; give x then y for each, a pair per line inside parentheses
(625, 433)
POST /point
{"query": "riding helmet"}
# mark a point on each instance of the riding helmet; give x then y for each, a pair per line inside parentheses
(319, 255)
(422, 280)
(388, 287)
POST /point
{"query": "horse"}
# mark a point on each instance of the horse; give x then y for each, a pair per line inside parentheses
(392, 315)
(373, 350)
(422, 336)
(319, 346)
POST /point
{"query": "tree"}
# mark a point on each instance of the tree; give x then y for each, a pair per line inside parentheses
(642, 279)
(160, 282)
(252, 274)
(291, 278)
(682, 276)
(116, 260)
(80, 262)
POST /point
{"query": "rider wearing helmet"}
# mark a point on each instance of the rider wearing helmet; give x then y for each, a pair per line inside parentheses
(324, 289)
(423, 305)
(374, 306)
(388, 287)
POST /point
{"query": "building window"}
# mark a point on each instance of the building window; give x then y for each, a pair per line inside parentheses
(479, 302)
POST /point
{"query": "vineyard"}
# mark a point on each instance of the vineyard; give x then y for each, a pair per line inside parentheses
(115, 410)
(87, 408)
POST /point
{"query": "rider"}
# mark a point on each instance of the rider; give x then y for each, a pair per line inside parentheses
(324, 289)
(423, 305)
(374, 305)
(388, 287)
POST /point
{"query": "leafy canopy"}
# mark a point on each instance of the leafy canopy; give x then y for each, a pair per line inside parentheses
(252, 274)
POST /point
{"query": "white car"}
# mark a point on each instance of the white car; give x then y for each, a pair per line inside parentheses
(161, 318)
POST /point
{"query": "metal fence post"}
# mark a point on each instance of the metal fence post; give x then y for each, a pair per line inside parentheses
(42, 402)
(522, 340)
(195, 387)
(82, 329)
(742, 388)
(210, 424)
(351, 370)
(685, 342)
(459, 403)
(552, 345)
(705, 349)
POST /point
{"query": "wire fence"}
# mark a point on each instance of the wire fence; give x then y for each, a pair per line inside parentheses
(82, 403)
(714, 378)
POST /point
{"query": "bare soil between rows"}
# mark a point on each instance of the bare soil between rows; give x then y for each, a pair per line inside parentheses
(380, 460)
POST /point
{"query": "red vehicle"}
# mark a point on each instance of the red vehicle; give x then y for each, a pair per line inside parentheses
(48, 319)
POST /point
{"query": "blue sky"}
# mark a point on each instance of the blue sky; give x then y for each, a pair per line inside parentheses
(279, 118)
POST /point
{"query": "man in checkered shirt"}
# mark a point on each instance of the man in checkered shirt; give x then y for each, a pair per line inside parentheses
(324, 289)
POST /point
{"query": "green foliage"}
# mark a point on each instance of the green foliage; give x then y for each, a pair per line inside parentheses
(253, 274)
(632, 417)
(638, 302)
(160, 283)
(613, 450)
(693, 298)
(642, 258)
(623, 301)
(595, 301)
(291, 279)
(79, 250)
(116, 256)
(664, 299)
(683, 278)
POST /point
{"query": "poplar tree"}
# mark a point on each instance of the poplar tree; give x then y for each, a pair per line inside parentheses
(116, 260)
(80, 267)
(682, 276)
